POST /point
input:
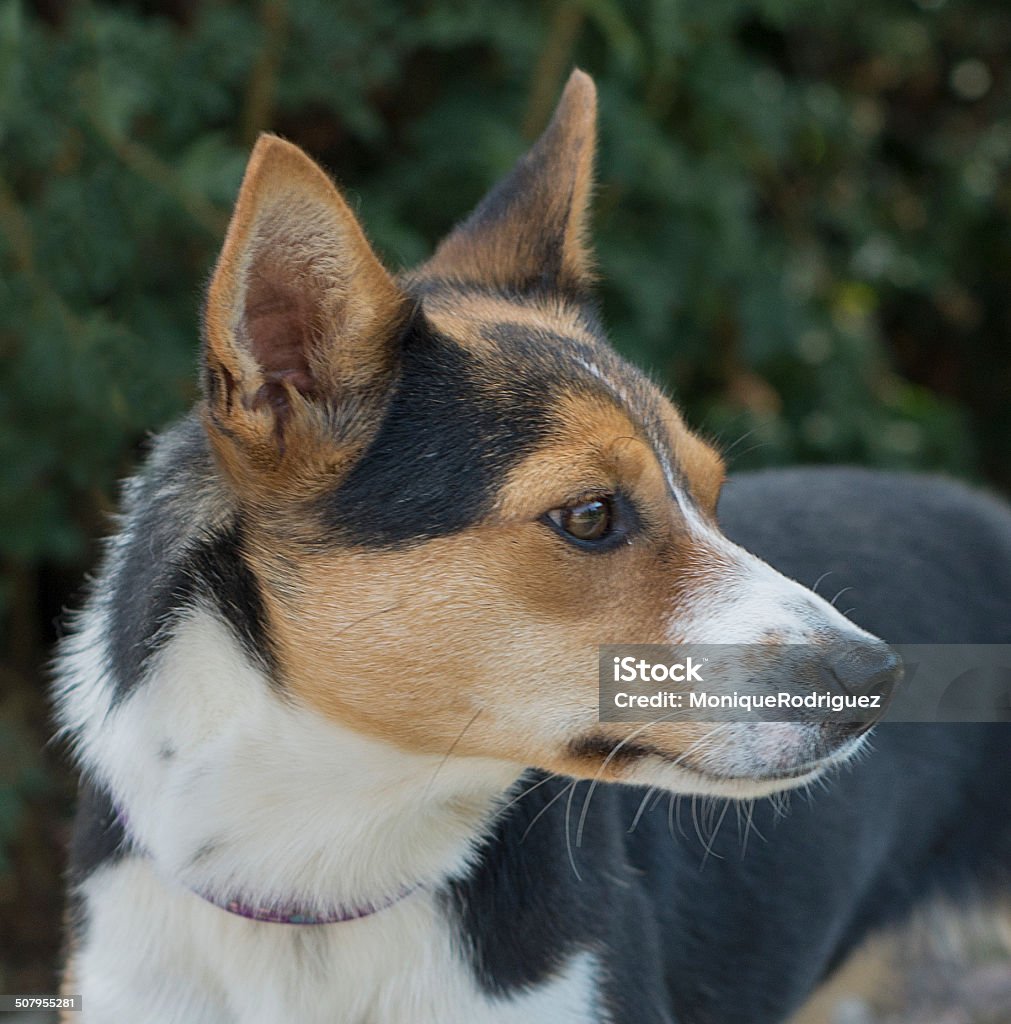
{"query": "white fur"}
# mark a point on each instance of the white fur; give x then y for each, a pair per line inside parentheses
(203, 966)
(234, 792)
(750, 603)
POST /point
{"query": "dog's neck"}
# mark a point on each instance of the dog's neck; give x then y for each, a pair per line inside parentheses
(241, 796)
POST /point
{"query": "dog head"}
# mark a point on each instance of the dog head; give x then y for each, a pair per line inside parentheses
(452, 490)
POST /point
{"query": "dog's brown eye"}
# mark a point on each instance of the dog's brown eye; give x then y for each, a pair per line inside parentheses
(587, 521)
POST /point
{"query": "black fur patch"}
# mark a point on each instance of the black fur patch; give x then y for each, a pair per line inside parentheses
(98, 840)
(98, 837)
(517, 204)
(147, 603)
(566, 358)
(525, 912)
(453, 429)
(458, 421)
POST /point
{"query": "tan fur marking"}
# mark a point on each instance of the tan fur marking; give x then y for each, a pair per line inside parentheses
(594, 448)
(499, 622)
(463, 317)
(469, 639)
(702, 467)
(700, 463)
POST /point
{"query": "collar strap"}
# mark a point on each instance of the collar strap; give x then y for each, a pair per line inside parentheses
(278, 913)
(291, 913)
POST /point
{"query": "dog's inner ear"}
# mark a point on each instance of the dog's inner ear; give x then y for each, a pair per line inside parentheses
(529, 231)
(301, 316)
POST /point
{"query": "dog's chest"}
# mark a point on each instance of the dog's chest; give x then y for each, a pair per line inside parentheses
(200, 964)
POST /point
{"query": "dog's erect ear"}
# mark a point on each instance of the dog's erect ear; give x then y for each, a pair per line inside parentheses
(300, 315)
(529, 230)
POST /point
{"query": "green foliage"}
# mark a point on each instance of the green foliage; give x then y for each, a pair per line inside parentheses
(756, 208)
(22, 775)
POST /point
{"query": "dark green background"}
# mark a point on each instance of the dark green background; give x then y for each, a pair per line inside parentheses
(802, 221)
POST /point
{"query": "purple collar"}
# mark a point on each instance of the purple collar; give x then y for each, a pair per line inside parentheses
(282, 913)
(291, 913)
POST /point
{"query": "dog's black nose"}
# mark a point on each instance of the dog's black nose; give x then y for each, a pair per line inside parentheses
(869, 669)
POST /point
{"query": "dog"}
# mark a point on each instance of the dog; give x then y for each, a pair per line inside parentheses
(333, 694)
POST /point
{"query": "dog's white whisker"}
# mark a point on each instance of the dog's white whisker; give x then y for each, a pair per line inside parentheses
(714, 833)
(470, 721)
(818, 582)
(603, 767)
(726, 452)
(526, 792)
(537, 817)
(568, 834)
(642, 807)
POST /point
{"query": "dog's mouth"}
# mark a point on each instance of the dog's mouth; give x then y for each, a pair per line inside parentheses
(619, 760)
(619, 754)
